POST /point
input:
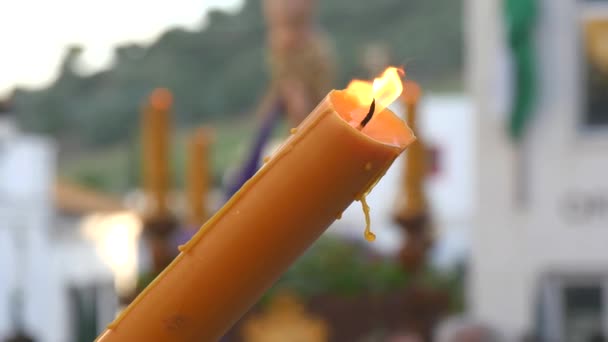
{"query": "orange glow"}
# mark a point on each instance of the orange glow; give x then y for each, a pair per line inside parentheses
(385, 89)
(161, 99)
(411, 92)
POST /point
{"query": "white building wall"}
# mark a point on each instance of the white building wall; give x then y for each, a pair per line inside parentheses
(514, 245)
(26, 178)
(32, 253)
(7, 279)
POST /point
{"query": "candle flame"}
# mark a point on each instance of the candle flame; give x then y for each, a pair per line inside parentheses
(161, 99)
(384, 89)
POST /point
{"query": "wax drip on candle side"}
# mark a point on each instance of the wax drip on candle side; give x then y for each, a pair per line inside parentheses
(369, 236)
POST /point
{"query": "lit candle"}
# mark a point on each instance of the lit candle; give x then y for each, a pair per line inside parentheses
(155, 144)
(332, 158)
(198, 176)
(411, 206)
(412, 203)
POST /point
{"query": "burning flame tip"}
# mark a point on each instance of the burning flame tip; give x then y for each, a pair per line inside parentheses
(384, 89)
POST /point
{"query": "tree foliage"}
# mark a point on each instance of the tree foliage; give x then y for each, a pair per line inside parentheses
(220, 69)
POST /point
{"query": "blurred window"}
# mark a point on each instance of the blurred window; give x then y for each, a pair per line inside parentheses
(92, 307)
(573, 307)
(582, 311)
(84, 313)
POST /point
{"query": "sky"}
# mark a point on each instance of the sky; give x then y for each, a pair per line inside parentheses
(35, 33)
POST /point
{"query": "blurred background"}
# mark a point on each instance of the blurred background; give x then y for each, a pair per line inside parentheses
(125, 125)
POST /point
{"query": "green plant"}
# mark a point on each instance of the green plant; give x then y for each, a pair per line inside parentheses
(334, 266)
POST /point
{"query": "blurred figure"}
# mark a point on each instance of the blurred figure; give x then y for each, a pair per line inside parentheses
(301, 74)
(301, 61)
(375, 58)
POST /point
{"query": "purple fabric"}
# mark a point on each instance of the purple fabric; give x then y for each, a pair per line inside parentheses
(252, 164)
(183, 235)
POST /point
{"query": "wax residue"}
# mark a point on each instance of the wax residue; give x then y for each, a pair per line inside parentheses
(266, 159)
(368, 166)
(293, 130)
(369, 236)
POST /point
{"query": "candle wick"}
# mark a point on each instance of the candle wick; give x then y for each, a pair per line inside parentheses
(369, 115)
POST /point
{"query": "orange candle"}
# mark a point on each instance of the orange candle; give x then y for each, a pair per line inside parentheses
(329, 161)
(198, 176)
(411, 202)
(155, 145)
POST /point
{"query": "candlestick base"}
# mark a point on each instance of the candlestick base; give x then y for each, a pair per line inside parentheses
(20, 337)
(158, 233)
(419, 240)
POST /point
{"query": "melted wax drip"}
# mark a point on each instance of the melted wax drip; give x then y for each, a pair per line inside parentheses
(369, 236)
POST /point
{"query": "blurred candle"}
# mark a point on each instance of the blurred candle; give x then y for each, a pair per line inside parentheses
(159, 223)
(411, 207)
(329, 161)
(155, 144)
(198, 176)
(411, 201)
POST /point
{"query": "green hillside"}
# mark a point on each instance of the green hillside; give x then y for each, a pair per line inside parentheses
(219, 72)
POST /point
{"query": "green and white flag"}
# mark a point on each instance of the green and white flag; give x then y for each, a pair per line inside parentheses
(520, 20)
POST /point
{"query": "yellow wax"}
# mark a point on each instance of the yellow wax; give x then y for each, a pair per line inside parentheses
(369, 236)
